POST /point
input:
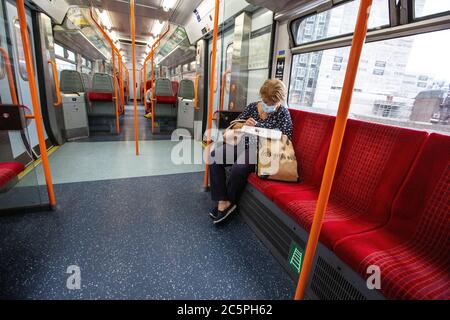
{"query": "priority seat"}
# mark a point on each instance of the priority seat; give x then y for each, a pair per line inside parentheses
(165, 99)
(413, 249)
(101, 102)
(373, 164)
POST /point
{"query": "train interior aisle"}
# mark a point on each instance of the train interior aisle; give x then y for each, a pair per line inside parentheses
(109, 108)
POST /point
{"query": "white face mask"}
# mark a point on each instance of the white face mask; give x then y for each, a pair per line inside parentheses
(268, 109)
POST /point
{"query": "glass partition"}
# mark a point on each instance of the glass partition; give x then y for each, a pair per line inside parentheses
(19, 185)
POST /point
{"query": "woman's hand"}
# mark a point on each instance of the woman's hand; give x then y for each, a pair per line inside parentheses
(250, 122)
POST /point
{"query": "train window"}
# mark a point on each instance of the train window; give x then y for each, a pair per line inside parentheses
(64, 65)
(70, 55)
(424, 8)
(393, 78)
(337, 21)
(19, 50)
(59, 50)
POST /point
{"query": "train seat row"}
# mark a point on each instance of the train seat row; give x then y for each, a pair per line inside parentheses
(388, 206)
(88, 103)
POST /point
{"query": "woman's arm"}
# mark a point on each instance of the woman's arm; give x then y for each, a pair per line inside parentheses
(247, 113)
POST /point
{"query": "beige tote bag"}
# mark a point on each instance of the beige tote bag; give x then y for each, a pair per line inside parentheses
(276, 160)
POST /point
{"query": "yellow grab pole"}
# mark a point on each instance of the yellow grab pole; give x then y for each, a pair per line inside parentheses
(133, 49)
(211, 89)
(35, 100)
(335, 146)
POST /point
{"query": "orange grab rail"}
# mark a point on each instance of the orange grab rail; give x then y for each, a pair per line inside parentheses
(211, 90)
(222, 90)
(55, 77)
(196, 85)
(335, 145)
(12, 86)
(35, 100)
(133, 50)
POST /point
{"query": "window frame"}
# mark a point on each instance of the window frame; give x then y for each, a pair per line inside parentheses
(412, 13)
(397, 29)
(305, 17)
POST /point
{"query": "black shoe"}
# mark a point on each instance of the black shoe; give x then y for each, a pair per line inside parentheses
(214, 213)
(222, 215)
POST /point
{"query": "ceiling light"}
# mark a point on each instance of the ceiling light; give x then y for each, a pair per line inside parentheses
(106, 21)
(168, 4)
(157, 27)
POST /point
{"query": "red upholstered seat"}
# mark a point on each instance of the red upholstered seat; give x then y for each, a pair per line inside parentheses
(413, 249)
(100, 96)
(9, 170)
(311, 135)
(374, 161)
(166, 99)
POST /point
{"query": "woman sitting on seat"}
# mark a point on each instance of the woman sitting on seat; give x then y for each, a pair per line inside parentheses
(269, 113)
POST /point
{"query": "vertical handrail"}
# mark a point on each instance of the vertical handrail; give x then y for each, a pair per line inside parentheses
(335, 145)
(222, 90)
(133, 49)
(9, 74)
(55, 77)
(116, 97)
(211, 90)
(196, 85)
(121, 87)
(153, 98)
(35, 100)
(145, 82)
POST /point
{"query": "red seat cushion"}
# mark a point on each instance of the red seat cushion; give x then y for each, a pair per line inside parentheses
(166, 99)
(100, 96)
(9, 170)
(275, 189)
(413, 249)
(374, 161)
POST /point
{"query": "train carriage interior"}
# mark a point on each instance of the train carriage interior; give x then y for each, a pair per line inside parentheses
(108, 108)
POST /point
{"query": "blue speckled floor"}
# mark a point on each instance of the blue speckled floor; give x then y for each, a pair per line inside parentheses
(146, 237)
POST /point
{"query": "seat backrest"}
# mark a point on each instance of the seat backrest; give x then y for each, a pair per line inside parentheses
(71, 81)
(421, 211)
(87, 81)
(186, 89)
(163, 87)
(374, 162)
(311, 138)
(102, 82)
(149, 84)
(175, 86)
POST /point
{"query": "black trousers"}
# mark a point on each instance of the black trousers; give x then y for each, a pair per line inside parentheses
(242, 160)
